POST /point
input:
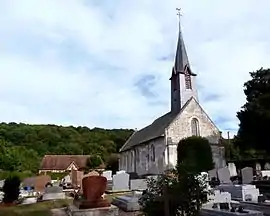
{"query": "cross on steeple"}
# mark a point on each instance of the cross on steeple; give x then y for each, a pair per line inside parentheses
(182, 78)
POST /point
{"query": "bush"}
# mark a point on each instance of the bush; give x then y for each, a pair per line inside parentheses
(94, 162)
(112, 163)
(184, 191)
(196, 154)
(57, 176)
(11, 189)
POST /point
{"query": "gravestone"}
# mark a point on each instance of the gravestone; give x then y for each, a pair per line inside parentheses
(138, 184)
(267, 166)
(120, 182)
(93, 189)
(40, 182)
(120, 171)
(107, 174)
(258, 167)
(128, 202)
(232, 169)
(76, 178)
(224, 176)
(212, 174)
(247, 175)
(53, 193)
(92, 173)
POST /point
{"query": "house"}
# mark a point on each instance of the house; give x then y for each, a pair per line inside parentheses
(153, 149)
(64, 163)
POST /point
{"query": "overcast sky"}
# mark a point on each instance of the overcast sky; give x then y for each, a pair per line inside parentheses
(104, 63)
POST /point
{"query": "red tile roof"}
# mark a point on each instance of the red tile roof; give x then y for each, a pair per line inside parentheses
(62, 162)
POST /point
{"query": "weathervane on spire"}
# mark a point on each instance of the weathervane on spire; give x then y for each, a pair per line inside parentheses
(179, 15)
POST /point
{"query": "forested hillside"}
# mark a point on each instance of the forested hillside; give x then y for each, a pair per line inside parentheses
(22, 146)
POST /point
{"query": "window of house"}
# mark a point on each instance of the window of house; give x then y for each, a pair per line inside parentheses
(153, 153)
(195, 129)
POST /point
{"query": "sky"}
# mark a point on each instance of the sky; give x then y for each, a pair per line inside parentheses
(108, 63)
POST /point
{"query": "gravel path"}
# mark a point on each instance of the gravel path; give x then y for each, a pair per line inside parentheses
(62, 212)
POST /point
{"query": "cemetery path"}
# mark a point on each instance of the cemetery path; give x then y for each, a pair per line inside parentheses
(59, 212)
(123, 213)
(62, 212)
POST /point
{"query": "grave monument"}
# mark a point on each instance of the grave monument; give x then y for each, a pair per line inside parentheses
(91, 202)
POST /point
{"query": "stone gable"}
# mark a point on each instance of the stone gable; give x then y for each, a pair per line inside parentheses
(180, 127)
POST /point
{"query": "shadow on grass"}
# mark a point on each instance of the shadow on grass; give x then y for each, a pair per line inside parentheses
(37, 209)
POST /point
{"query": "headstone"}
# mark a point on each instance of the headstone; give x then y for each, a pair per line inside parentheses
(107, 174)
(212, 174)
(93, 189)
(267, 166)
(120, 171)
(92, 173)
(77, 177)
(247, 175)
(53, 193)
(138, 184)
(120, 182)
(40, 182)
(258, 167)
(232, 169)
(224, 176)
(241, 192)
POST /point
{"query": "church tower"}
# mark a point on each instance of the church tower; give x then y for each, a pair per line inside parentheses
(183, 80)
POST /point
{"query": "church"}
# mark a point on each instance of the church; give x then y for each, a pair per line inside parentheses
(153, 149)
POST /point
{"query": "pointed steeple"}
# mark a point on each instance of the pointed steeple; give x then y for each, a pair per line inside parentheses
(182, 80)
(181, 63)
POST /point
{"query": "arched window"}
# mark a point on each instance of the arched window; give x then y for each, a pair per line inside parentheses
(188, 78)
(153, 154)
(195, 128)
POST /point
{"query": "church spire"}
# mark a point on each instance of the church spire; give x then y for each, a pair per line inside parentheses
(181, 58)
(182, 79)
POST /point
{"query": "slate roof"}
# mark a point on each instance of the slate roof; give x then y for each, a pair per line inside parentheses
(152, 131)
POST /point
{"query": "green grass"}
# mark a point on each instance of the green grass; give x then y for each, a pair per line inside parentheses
(37, 209)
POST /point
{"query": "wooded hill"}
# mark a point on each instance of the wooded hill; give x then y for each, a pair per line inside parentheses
(22, 145)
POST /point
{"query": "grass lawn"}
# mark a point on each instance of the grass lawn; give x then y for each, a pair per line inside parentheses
(37, 209)
(41, 208)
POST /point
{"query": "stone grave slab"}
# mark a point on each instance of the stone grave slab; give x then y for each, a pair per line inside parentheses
(224, 176)
(128, 203)
(53, 193)
(112, 210)
(241, 192)
(138, 184)
(247, 175)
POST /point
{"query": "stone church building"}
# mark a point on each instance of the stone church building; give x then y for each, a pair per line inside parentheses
(153, 149)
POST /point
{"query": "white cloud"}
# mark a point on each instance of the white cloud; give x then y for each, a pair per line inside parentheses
(76, 62)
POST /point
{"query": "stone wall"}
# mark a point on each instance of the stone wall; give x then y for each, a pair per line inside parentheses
(147, 158)
(181, 128)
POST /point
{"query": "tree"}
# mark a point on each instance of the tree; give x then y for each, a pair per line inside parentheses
(94, 161)
(11, 189)
(181, 189)
(112, 162)
(22, 146)
(195, 152)
(254, 115)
